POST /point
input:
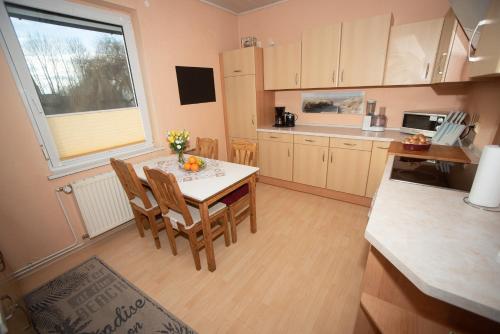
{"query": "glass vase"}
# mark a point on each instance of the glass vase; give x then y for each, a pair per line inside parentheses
(180, 157)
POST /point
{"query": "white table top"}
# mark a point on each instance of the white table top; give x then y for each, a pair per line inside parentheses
(337, 131)
(448, 249)
(202, 189)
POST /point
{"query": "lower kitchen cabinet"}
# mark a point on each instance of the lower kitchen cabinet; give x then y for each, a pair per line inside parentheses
(310, 164)
(348, 170)
(377, 166)
(276, 159)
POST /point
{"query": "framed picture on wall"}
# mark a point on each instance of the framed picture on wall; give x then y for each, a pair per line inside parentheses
(334, 102)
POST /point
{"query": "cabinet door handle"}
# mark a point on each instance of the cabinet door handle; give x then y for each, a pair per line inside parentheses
(323, 156)
(296, 78)
(289, 153)
(333, 77)
(349, 144)
(382, 148)
(342, 76)
(427, 70)
(237, 71)
(331, 158)
(309, 140)
(274, 137)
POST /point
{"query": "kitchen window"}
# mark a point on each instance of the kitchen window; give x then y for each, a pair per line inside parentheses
(78, 72)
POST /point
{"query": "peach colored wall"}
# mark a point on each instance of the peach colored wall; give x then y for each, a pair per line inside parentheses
(285, 22)
(484, 99)
(169, 33)
(395, 99)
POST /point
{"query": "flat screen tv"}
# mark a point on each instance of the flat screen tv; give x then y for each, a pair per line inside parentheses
(196, 84)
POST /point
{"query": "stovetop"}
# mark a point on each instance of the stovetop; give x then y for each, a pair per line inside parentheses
(437, 173)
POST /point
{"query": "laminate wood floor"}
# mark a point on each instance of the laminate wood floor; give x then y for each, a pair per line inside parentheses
(300, 273)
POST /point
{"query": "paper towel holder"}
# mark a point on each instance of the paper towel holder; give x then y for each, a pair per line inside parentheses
(485, 208)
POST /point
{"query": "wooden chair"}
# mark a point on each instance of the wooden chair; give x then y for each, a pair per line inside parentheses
(141, 199)
(185, 218)
(207, 148)
(238, 201)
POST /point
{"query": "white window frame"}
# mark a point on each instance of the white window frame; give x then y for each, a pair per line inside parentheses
(14, 54)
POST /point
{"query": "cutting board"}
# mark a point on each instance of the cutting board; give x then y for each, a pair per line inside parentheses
(435, 152)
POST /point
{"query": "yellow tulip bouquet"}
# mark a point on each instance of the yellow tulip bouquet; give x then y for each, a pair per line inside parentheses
(178, 141)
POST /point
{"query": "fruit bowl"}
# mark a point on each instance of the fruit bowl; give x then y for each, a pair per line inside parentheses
(193, 164)
(416, 143)
(417, 147)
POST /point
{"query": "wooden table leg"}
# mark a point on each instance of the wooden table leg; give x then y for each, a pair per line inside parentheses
(253, 206)
(207, 235)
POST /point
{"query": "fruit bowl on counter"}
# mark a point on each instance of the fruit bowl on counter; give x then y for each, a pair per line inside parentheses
(193, 164)
(416, 143)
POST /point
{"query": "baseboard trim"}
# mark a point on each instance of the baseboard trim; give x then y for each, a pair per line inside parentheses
(323, 192)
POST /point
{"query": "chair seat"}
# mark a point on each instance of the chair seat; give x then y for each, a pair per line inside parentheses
(137, 201)
(177, 218)
(235, 195)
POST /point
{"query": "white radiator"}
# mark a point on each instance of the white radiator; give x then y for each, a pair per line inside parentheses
(102, 202)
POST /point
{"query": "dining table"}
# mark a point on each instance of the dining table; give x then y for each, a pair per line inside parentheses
(217, 179)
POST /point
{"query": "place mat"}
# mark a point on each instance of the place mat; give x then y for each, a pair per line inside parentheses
(212, 169)
(92, 298)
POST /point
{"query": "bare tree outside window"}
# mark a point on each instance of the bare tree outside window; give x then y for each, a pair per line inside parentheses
(75, 69)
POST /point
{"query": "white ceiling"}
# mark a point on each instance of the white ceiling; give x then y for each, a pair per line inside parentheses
(239, 7)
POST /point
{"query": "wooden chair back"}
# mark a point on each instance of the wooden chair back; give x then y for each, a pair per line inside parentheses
(130, 182)
(244, 153)
(167, 193)
(207, 148)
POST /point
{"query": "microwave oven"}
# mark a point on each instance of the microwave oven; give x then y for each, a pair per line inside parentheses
(426, 123)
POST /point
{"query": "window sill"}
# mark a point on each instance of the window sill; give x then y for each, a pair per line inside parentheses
(65, 171)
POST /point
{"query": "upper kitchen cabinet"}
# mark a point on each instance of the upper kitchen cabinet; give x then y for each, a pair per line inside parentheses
(282, 66)
(412, 52)
(486, 60)
(363, 51)
(320, 56)
(239, 62)
(451, 57)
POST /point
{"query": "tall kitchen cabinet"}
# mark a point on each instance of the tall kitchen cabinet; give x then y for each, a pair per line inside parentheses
(246, 105)
(320, 56)
(282, 66)
(363, 51)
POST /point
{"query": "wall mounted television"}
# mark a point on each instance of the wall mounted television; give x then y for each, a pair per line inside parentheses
(196, 84)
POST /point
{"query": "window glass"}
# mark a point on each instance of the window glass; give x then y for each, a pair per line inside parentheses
(75, 67)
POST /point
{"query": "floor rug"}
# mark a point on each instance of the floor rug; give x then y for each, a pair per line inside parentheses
(93, 299)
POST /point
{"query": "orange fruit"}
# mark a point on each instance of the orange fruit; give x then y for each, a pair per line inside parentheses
(192, 160)
(187, 166)
(195, 167)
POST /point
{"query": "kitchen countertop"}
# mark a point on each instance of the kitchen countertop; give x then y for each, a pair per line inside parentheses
(337, 131)
(448, 249)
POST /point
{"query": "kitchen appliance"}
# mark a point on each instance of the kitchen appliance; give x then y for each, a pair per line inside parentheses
(426, 123)
(290, 119)
(437, 173)
(372, 121)
(279, 117)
